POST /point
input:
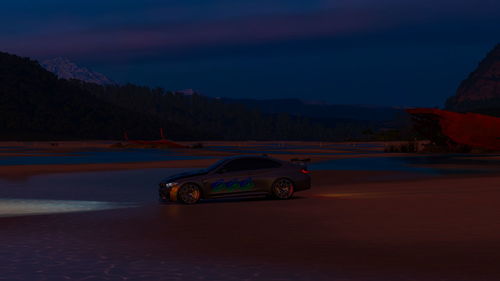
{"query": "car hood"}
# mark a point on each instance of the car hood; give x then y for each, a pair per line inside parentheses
(184, 175)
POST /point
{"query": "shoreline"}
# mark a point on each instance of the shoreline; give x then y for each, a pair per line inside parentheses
(212, 153)
(323, 177)
(25, 171)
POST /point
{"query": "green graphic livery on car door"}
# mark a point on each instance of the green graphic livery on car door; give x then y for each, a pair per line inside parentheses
(233, 185)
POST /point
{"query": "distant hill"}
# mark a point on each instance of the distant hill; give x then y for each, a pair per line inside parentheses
(480, 92)
(321, 110)
(36, 105)
(66, 69)
(351, 121)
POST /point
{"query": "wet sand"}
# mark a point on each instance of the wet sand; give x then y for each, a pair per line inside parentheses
(352, 225)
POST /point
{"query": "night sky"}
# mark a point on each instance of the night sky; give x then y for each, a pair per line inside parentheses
(395, 52)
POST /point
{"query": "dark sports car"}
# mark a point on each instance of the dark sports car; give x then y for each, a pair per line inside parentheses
(237, 177)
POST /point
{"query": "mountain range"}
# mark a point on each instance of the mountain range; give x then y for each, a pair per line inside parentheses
(321, 110)
(66, 69)
(37, 105)
(479, 92)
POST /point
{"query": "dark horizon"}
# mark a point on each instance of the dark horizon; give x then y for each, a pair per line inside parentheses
(343, 52)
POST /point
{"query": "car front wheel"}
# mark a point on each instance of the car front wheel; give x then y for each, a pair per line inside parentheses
(189, 193)
(282, 189)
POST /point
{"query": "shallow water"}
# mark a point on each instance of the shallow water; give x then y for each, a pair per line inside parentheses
(427, 164)
(96, 156)
(81, 191)
(105, 186)
(25, 207)
(343, 149)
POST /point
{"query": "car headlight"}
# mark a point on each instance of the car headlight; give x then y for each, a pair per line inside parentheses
(169, 184)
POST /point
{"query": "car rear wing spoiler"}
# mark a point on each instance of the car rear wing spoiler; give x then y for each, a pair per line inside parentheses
(302, 162)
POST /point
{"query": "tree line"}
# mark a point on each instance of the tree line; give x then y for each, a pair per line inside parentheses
(36, 105)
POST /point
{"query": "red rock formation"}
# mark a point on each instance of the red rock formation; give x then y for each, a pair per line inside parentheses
(469, 129)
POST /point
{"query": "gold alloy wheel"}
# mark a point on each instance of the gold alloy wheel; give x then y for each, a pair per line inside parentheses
(189, 193)
(283, 189)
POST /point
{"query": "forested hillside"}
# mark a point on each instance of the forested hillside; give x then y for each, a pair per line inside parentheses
(35, 104)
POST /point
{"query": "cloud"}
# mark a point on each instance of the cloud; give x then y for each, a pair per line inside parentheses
(194, 35)
(157, 31)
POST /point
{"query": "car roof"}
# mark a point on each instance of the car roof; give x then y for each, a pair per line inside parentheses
(235, 157)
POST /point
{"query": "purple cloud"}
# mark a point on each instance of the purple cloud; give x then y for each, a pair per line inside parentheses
(342, 18)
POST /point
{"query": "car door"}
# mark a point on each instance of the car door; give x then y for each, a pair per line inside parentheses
(236, 176)
(265, 172)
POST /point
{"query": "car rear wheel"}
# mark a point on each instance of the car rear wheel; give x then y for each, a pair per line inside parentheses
(189, 193)
(282, 189)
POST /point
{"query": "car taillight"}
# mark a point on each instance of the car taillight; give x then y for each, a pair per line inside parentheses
(304, 171)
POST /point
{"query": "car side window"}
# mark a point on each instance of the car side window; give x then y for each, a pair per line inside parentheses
(235, 165)
(244, 164)
(266, 163)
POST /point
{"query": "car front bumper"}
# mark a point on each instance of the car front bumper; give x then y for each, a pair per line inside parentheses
(168, 193)
(164, 193)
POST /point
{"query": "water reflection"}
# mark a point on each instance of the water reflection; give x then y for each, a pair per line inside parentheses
(23, 207)
(344, 149)
(426, 164)
(94, 156)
